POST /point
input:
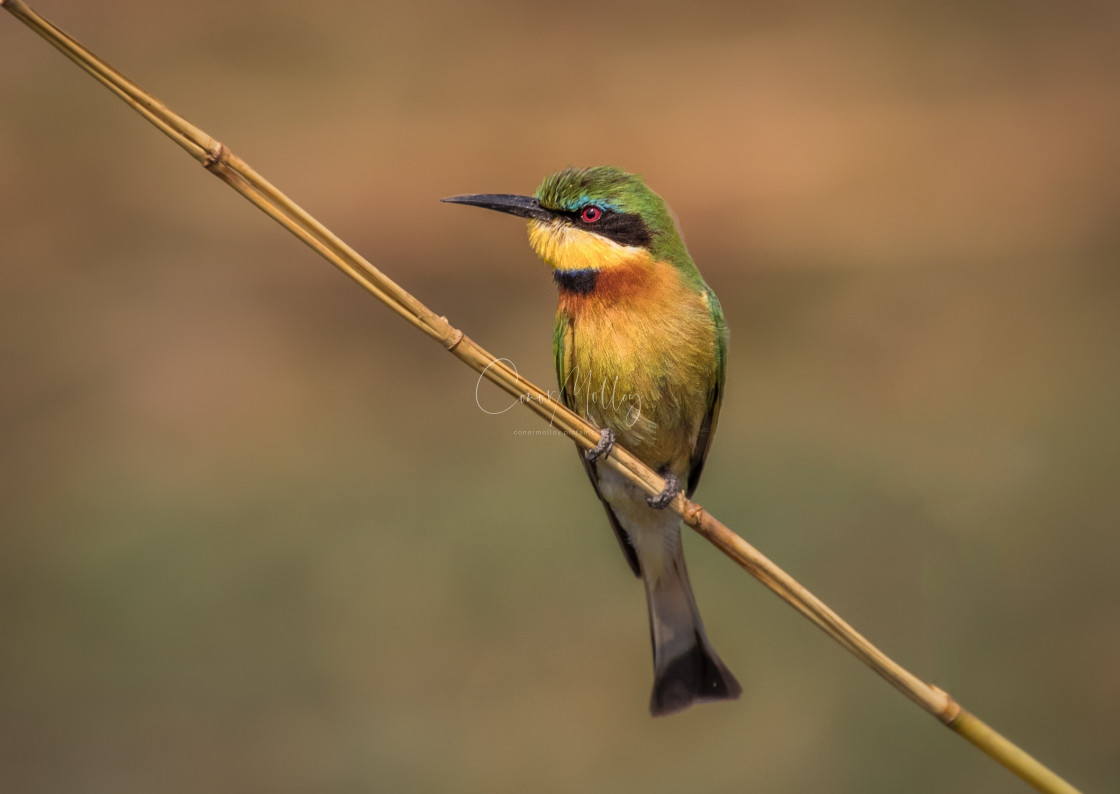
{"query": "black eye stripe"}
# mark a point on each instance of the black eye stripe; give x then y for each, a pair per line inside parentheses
(622, 227)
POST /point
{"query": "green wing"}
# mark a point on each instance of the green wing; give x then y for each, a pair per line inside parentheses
(715, 397)
(561, 339)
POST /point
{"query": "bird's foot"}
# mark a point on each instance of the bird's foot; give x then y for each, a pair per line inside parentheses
(603, 448)
(662, 500)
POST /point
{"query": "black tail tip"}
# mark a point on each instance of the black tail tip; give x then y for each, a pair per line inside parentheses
(697, 676)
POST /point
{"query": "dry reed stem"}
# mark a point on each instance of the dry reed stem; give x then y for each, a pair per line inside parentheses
(220, 161)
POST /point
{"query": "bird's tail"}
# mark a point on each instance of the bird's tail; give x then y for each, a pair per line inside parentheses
(686, 669)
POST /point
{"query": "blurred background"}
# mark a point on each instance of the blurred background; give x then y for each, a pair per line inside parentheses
(256, 533)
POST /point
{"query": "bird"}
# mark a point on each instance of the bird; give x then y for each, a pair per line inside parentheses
(640, 348)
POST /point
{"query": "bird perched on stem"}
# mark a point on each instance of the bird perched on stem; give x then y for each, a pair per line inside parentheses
(640, 347)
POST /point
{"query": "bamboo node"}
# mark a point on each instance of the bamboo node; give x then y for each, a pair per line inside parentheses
(216, 155)
(692, 514)
(951, 710)
(453, 341)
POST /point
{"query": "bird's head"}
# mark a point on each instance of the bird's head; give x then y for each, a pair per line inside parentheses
(593, 219)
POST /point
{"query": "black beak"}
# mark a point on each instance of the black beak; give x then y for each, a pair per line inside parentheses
(521, 206)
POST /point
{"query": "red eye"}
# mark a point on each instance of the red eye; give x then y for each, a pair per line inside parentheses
(591, 214)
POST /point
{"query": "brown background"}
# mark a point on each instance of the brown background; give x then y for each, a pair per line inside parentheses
(256, 534)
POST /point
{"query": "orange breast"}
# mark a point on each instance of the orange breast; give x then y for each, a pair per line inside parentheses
(640, 358)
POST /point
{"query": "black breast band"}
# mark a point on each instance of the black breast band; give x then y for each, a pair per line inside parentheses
(581, 282)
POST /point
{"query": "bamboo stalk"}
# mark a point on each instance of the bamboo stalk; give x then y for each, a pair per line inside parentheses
(220, 161)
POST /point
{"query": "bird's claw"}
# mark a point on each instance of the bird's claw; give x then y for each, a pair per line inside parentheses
(671, 489)
(603, 448)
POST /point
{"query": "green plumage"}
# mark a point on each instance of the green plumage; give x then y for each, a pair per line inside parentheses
(640, 349)
(653, 331)
(653, 328)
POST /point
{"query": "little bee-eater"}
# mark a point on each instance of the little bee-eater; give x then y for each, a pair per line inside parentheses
(640, 347)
